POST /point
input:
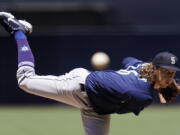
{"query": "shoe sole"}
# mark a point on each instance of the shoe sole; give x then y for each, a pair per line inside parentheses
(9, 15)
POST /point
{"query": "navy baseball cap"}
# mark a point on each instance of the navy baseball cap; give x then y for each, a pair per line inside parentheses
(166, 60)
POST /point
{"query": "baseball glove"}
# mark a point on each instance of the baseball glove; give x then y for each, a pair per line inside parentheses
(171, 92)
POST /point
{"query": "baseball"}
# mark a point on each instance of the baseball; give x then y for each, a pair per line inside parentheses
(100, 60)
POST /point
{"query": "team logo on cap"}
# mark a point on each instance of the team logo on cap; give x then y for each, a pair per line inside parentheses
(173, 60)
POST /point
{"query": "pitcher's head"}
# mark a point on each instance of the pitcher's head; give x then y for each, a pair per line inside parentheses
(162, 70)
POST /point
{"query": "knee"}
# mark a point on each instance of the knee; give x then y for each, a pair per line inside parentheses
(23, 75)
(23, 84)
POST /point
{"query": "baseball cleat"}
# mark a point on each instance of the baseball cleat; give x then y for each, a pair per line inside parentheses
(11, 24)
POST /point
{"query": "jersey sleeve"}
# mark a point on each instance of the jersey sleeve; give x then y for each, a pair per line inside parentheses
(130, 61)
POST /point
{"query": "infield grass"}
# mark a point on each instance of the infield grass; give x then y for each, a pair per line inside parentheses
(57, 120)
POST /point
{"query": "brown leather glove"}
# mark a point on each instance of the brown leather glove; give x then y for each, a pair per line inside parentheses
(169, 93)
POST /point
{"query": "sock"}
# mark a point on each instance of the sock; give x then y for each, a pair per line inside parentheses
(25, 56)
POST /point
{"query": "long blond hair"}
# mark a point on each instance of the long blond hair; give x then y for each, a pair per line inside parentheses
(147, 72)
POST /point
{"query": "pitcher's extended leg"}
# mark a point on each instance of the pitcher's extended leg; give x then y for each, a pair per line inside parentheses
(95, 124)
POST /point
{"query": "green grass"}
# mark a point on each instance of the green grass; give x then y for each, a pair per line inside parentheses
(67, 121)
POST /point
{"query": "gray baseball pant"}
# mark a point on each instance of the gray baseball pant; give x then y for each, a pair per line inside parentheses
(67, 89)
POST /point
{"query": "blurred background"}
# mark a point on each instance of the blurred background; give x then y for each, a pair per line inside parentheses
(66, 34)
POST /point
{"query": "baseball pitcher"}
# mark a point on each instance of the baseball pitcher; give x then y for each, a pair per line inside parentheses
(97, 94)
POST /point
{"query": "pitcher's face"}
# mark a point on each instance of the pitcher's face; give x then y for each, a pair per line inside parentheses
(163, 77)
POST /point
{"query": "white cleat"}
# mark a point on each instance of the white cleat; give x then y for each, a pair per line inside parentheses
(11, 24)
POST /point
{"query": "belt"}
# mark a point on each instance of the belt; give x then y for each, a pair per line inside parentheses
(82, 87)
